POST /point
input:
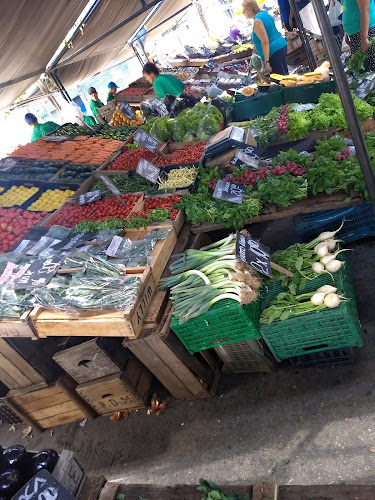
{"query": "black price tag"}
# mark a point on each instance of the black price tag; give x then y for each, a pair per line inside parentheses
(73, 241)
(110, 185)
(56, 138)
(8, 164)
(228, 191)
(254, 254)
(148, 170)
(146, 140)
(127, 110)
(43, 486)
(39, 273)
(89, 197)
(159, 106)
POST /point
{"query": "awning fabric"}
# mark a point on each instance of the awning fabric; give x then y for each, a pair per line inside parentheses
(94, 59)
(30, 33)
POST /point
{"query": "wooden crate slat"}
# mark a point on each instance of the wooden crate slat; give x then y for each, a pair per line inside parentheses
(51, 411)
(45, 402)
(24, 397)
(16, 367)
(66, 418)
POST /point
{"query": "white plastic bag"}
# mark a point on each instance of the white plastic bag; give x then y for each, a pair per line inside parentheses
(334, 11)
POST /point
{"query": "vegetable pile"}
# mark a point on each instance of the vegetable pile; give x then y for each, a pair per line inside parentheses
(178, 178)
(121, 133)
(32, 170)
(75, 173)
(100, 210)
(82, 149)
(125, 184)
(188, 154)
(14, 224)
(200, 278)
(130, 159)
(50, 200)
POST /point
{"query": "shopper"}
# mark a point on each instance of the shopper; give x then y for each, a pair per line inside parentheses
(39, 129)
(358, 20)
(268, 42)
(286, 15)
(95, 105)
(163, 84)
(112, 89)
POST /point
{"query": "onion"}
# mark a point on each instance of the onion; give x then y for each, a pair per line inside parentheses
(321, 249)
(318, 298)
(332, 300)
(318, 268)
(327, 289)
(334, 265)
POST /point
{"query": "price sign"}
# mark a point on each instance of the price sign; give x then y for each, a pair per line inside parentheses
(56, 138)
(73, 241)
(254, 254)
(127, 110)
(148, 170)
(146, 140)
(110, 185)
(39, 273)
(247, 156)
(89, 197)
(43, 486)
(160, 107)
(365, 87)
(228, 191)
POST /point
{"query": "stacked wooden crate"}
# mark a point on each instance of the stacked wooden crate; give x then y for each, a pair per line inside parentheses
(110, 378)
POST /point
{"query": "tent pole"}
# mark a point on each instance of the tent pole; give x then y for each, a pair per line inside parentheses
(302, 34)
(346, 99)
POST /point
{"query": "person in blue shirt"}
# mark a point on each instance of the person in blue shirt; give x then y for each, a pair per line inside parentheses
(358, 20)
(269, 44)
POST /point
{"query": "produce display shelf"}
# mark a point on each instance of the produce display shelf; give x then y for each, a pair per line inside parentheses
(251, 107)
(102, 323)
(225, 322)
(319, 330)
(17, 327)
(307, 93)
(359, 223)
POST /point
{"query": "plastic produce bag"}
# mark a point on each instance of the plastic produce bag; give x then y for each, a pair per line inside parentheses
(160, 130)
(148, 111)
(181, 103)
(58, 232)
(178, 130)
(169, 100)
(207, 127)
(334, 11)
(52, 295)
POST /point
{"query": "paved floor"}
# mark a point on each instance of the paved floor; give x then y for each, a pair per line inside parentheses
(295, 426)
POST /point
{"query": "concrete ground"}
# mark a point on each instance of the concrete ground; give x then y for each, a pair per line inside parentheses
(294, 426)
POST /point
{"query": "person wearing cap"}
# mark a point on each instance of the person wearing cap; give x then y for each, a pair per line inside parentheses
(39, 129)
(163, 84)
(112, 89)
(95, 105)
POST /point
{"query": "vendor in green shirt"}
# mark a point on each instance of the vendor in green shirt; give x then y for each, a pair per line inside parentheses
(112, 89)
(95, 105)
(163, 84)
(39, 129)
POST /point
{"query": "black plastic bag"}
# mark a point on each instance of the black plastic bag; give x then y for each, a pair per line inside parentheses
(182, 102)
(168, 100)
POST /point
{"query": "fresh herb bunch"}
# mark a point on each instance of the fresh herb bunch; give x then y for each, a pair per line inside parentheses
(281, 190)
(125, 184)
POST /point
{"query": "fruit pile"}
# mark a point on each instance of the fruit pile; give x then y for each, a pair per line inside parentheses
(130, 159)
(188, 154)
(134, 91)
(82, 149)
(100, 210)
(119, 118)
(14, 224)
(17, 195)
(50, 200)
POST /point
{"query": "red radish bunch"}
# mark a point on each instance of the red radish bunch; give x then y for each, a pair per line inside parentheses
(282, 121)
(289, 166)
(249, 177)
(345, 153)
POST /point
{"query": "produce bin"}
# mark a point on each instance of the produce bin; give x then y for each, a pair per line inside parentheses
(359, 223)
(343, 356)
(164, 171)
(251, 107)
(225, 322)
(319, 330)
(45, 187)
(307, 93)
(248, 356)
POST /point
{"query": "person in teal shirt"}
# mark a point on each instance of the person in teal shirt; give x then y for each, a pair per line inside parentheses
(39, 129)
(163, 84)
(269, 44)
(358, 20)
(112, 89)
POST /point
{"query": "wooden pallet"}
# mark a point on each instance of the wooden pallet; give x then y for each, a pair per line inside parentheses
(17, 327)
(25, 362)
(260, 491)
(106, 323)
(126, 390)
(42, 406)
(93, 359)
(311, 204)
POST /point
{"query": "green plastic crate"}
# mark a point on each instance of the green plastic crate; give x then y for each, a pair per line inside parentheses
(319, 330)
(225, 322)
(310, 92)
(251, 107)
